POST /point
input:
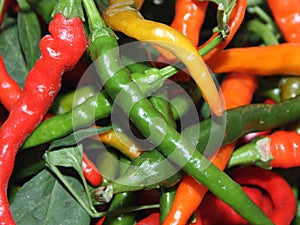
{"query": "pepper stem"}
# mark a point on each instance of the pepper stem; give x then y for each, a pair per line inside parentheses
(69, 9)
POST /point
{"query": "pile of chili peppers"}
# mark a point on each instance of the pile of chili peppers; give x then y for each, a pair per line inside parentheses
(181, 112)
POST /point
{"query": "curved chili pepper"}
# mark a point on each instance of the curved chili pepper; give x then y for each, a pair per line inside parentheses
(235, 21)
(278, 198)
(90, 171)
(189, 17)
(144, 117)
(122, 17)
(280, 149)
(119, 141)
(286, 14)
(152, 219)
(10, 92)
(9, 89)
(256, 60)
(41, 86)
(190, 193)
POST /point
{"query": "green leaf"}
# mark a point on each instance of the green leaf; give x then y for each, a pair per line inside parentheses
(11, 52)
(29, 33)
(43, 200)
(78, 136)
(66, 157)
(43, 8)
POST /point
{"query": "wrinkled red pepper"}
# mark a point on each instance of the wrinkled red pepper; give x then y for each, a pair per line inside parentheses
(269, 191)
(58, 54)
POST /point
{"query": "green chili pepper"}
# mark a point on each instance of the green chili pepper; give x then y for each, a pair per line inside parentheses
(246, 119)
(64, 103)
(241, 121)
(120, 201)
(166, 201)
(103, 49)
(92, 109)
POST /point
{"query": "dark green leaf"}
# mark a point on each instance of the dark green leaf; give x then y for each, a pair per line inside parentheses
(66, 157)
(29, 33)
(78, 136)
(43, 200)
(43, 7)
(11, 51)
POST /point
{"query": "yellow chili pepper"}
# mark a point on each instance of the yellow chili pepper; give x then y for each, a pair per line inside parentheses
(119, 141)
(121, 16)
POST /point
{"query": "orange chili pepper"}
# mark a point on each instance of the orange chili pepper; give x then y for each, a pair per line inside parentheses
(286, 14)
(235, 20)
(189, 17)
(190, 193)
(259, 60)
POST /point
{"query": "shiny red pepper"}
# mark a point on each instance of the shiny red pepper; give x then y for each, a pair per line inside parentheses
(58, 54)
(9, 89)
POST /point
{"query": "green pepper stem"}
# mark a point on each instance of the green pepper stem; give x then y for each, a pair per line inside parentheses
(69, 9)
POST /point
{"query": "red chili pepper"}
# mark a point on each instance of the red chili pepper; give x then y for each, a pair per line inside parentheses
(58, 54)
(269, 191)
(152, 219)
(10, 91)
(90, 171)
(285, 148)
(235, 21)
(286, 14)
(189, 17)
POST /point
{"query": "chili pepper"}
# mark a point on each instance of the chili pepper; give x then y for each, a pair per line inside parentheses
(243, 120)
(144, 117)
(41, 86)
(286, 15)
(278, 191)
(121, 200)
(290, 87)
(279, 149)
(224, 214)
(90, 171)
(190, 193)
(256, 60)
(94, 108)
(189, 17)
(65, 102)
(9, 88)
(122, 17)
(235, 20)
(152, 219)
(12, 92)
(246, 119)
(119, 141)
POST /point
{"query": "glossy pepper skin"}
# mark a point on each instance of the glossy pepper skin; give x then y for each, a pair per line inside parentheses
(41, 86)
(124, 18)
(9, 88)
(189, 17)
(256, 60)
(286, 14)
(277, 200)
(104, 51)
